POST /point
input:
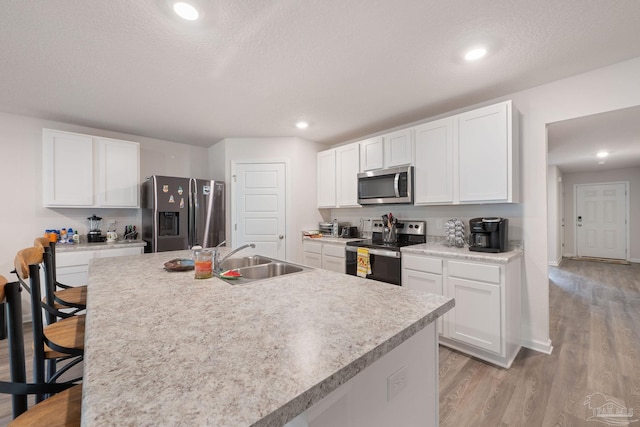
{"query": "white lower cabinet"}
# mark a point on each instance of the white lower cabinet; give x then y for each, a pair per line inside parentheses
(72, 268)
(485, 321)
(327, 256)
(399, 389)
(312, 254)
(423, 273)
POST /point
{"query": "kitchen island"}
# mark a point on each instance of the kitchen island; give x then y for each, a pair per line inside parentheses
(165, 349)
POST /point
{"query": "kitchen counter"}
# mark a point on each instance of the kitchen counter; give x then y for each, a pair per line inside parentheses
(79, 247)
(333, 240)
(165, 349)
(438, 249)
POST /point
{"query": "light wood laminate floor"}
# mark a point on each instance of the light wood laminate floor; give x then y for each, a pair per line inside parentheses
(595, 330)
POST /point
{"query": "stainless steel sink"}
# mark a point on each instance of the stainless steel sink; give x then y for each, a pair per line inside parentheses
(269, 270)
(234, 263)
(255, 268)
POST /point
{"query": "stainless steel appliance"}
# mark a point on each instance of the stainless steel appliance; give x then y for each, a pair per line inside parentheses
(179, 213)
(95, 234)
(489, 234)
(386, 186)
(385, 258)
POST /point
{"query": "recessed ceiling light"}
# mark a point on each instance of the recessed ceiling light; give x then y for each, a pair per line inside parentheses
(185, 11)
(602, 154)
(302, 125)
(475, 54)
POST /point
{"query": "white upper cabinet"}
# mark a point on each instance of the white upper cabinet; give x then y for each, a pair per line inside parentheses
(371, 154)
(468, 158)
(119, 169)
(398, 148)
(488, 155)
(87, 171)
(434, 165)
(338, 176)
(387, 151)
(327, 179)
(347, 166)
(67, 169)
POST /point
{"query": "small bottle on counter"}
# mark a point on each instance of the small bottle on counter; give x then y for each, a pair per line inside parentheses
(76, 237)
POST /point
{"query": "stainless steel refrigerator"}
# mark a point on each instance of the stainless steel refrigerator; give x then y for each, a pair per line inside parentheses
(178, 213)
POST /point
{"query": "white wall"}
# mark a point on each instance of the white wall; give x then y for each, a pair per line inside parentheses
(632, 175)
(554, 203)
(22, 216)
(300, 156)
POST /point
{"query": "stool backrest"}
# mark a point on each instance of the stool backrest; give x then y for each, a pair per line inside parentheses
(18, 386)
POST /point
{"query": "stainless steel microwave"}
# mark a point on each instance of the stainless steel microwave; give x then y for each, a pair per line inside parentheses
(386, 186)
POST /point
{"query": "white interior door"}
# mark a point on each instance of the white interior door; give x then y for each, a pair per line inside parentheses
(260, 196)
(601, 216)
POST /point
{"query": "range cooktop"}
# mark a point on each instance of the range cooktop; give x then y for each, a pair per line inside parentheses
(408, 233)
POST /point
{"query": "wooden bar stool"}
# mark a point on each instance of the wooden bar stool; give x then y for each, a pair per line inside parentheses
(58, 295)
(64, 407)
(62, 340)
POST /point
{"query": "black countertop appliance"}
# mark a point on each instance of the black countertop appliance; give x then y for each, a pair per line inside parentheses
(489, 234)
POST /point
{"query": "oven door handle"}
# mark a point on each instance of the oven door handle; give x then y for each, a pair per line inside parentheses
(396, 184)
(380, 252)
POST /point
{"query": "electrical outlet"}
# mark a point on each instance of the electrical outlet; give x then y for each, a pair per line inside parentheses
(396, 382)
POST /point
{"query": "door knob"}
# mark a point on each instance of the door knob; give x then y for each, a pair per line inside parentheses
(281, 237)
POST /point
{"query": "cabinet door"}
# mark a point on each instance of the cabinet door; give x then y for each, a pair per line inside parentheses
(429, 282)
(119, 173)
(398, 148)
(483, 152)
(333, 263)
(371, 154)
(347, 165)
(67, 169)
(434, 166)
(327, 179)
(476, 317)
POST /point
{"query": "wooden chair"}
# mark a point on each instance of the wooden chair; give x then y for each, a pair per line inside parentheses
(64, 407)
(62, 340)
(58, 295)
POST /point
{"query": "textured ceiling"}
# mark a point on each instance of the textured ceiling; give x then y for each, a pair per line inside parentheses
(573, 144)
(252, 68)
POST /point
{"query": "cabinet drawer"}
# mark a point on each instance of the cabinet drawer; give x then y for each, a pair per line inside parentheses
(313, 247)
(334, 250)
(66, 259)
(482, 272)
(422, 263)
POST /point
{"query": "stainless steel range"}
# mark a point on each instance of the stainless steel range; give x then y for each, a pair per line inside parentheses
(384, 254)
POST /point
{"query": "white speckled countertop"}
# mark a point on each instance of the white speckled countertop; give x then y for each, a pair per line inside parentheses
(440, 250)
(78, 247)
(333, 240)
(165, 349)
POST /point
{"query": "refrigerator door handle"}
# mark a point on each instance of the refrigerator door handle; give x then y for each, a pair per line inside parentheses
(193, 204)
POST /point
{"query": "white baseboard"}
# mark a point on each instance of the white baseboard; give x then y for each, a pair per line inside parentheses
(568, 255)
(556, 262)
(542, 347)
(634, 260)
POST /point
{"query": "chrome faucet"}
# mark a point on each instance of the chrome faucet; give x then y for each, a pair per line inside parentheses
(217, 262)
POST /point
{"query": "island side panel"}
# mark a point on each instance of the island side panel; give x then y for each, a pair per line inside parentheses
(401, 388)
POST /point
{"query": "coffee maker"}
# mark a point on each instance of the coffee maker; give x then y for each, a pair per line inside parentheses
(488, 234)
